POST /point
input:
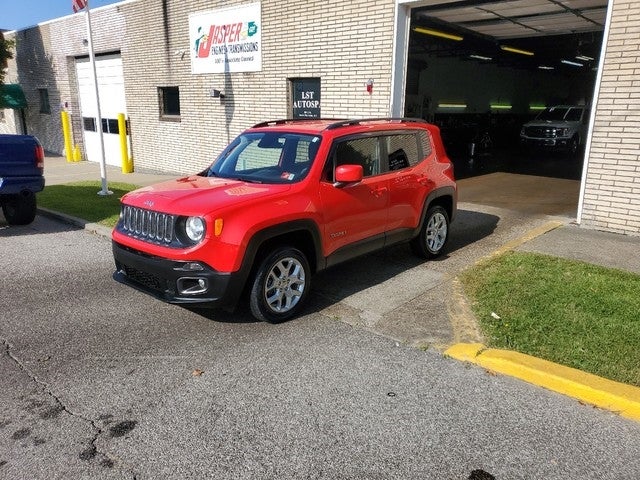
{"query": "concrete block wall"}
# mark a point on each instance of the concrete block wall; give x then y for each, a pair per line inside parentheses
(612, 189)
(44, 57)
(342, 43)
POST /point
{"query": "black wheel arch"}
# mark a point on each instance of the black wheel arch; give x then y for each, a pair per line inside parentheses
(446, 197)
(303, 235)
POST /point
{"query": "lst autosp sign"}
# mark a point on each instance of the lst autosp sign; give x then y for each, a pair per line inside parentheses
(306, 97)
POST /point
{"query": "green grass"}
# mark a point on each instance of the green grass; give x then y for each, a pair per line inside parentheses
(81, 199)
(572, 313)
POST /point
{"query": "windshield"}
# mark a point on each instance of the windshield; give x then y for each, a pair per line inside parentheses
(267, 157)
(553, 113)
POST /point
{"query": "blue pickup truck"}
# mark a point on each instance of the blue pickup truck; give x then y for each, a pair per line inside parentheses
(21, 176)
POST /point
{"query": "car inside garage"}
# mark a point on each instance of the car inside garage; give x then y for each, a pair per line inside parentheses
(481, 70)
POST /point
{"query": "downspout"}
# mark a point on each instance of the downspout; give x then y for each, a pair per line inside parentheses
(401, 26)
(23, 121)
(592, 116)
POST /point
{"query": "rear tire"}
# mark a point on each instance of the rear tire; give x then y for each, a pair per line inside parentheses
(20, 209)
(280, 285)
(433, 234)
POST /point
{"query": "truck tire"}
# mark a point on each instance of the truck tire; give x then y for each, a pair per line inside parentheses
(20, 209)
(280, 285)
(574, 147)
(433, 235)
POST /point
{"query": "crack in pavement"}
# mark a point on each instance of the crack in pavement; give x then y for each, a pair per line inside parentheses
(89, 453)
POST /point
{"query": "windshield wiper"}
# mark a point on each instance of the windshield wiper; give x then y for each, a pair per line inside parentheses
(248, 180)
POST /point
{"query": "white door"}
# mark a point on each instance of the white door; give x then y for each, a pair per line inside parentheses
(112, 102)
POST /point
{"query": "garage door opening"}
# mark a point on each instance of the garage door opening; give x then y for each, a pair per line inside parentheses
(482, 70)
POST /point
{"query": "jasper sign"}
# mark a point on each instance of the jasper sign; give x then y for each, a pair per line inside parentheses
(226, 40)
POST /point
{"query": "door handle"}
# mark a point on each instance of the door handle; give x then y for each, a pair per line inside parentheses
(378, 192)
(426, 181)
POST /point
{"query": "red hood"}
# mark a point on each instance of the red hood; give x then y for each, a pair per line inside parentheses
(188, 195)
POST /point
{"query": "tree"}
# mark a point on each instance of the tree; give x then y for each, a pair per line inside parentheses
(6, 47)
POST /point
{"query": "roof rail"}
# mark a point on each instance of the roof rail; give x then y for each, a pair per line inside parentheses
(361, 121)
(291, 120)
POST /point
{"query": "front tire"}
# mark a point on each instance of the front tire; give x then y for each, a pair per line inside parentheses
(574, 147)
(20, 209)
(280, 285)
(433, 234)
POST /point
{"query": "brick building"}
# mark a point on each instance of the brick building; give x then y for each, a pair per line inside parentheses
(181, 115)
(610, 193)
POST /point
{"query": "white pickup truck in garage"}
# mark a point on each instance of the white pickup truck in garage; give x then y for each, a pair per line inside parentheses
(561, 128)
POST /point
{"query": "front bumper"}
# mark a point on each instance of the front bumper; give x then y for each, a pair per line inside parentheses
(552, 143)
(173, 281)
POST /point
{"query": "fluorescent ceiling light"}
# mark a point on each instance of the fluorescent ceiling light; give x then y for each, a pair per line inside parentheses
(452, 105)
(545, 67)
(569, 62)
(507, 48)
(438, 33)
(500, 106)
(584, 58)
(480, 57)
(537, 107)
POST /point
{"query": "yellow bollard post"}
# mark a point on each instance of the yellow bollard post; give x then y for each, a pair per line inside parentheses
(77, 154)
(66, 134)
(127, 164)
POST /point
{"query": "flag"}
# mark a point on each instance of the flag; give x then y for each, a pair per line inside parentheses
(78, 5)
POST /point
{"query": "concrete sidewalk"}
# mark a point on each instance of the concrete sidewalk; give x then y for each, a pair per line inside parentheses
(591, 246)
(556, 238)
(57, 170)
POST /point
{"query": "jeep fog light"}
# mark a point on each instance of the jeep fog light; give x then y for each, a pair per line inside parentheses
(194, 228)
(192, 286)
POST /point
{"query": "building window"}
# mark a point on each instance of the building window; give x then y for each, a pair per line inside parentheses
(89, 124)
(110, 125)
(169, 100)
(45, 107)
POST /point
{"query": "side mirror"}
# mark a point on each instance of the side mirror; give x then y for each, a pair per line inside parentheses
(349, 174)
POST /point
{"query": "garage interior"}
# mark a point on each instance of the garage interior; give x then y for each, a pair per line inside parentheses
(481, 69)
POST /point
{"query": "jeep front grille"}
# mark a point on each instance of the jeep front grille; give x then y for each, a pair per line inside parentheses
(147, 225)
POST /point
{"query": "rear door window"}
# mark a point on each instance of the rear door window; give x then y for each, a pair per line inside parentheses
(402, 150)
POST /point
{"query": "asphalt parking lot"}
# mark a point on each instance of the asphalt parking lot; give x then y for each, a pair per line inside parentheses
(100, 381)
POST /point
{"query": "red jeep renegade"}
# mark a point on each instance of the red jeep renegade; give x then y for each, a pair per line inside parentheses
(284, 200)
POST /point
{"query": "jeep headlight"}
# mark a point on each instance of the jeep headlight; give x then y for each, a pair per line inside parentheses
(194, 228)
(562, 132)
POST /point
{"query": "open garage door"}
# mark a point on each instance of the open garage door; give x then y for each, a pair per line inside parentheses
(481, 70)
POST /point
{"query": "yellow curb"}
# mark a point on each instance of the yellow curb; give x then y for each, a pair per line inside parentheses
(601, 392)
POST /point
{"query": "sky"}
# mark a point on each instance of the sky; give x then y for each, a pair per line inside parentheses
(19, 14)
